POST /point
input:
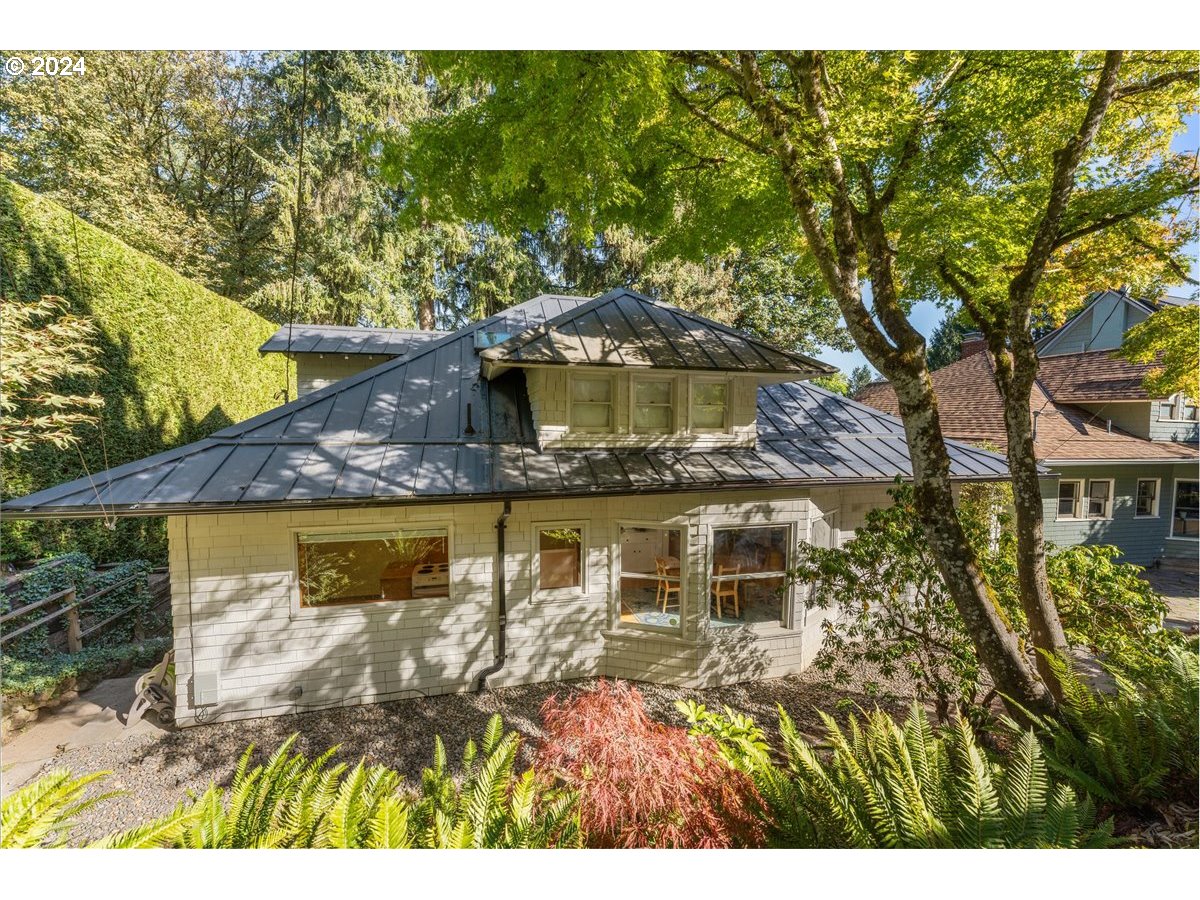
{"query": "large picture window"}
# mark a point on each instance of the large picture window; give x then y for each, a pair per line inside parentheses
(650, 582)
(749, 575)
(344, 569)
(592, 403)
(560, 558)
(1185, 516)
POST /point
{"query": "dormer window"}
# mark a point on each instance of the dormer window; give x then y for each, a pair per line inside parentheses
(653, 405)
(592, 403)
(710, 405)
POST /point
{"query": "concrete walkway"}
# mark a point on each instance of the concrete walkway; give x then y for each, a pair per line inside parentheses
(94, 717)
(1180, 587)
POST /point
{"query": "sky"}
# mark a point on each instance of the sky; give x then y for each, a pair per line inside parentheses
(927, 316)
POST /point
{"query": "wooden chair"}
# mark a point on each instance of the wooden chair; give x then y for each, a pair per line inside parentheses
(727, 590)
(665, 586)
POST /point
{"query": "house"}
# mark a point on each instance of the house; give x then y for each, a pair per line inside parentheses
(573, 487)
(1123, 464)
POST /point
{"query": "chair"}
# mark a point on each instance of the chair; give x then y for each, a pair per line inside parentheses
(665, 586)
(727, 590)
(155, 690)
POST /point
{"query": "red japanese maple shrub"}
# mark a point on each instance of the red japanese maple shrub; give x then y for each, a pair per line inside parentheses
(642, 783)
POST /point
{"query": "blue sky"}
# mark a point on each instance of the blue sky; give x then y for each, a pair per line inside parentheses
(927, 316)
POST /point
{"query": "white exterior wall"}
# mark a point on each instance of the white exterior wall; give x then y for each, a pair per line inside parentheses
(319, 370)
(550, 400)
(233, 580)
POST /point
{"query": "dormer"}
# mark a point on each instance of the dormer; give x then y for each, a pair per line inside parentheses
(626, 371)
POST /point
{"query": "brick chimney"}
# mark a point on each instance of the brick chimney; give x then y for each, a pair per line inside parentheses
(973, 342)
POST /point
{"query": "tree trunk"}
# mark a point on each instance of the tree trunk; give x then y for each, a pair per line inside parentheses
(425, 313)
(992, 634)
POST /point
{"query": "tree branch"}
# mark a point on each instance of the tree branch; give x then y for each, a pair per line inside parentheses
(718, 126)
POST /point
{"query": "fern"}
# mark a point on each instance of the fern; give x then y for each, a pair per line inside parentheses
(41, 813)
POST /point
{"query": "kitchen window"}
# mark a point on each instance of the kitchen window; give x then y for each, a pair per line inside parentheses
(650, 580)
(709, 407)
(1069, 499)
(592, 403)
(347, 569)
(1146, 500)
(749, 575)
(653, 405)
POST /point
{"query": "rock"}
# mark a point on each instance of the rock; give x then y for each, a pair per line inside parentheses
(65, 697)
(19, 718)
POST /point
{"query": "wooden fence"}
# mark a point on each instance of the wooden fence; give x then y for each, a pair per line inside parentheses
(66, 606)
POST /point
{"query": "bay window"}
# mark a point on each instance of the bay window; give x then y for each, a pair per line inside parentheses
(749, 575)
(650, 581)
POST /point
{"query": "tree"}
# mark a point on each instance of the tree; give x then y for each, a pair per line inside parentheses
(860, 377)
(945, 346)
(938, 174)
(43, 346)
(1170, 338)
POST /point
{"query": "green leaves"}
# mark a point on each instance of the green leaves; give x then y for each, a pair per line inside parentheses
(40, 813)
(1170, 339)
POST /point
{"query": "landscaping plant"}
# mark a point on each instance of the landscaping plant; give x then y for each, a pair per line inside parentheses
(642, 783)
(890, 785)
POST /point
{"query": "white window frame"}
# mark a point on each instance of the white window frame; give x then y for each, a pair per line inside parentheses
(536, 561)
(1109, 503)
(1077, 513)
(1179, 402)
(616, 567)
(612, 403)
(354, 532)
(788, 618)
(1154, 513)
(672, 382)
(701, 379)
(1171, 536)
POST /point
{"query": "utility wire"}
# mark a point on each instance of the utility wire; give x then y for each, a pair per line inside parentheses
(297, 225)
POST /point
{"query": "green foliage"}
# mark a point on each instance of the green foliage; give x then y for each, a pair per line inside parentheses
(1137, 748)
(40, 814)
(945, 346)
(890, 785)
(41, 348)
(178, 363)
(1170, 338)
(47, 673)
(892, 607)
(290, 801)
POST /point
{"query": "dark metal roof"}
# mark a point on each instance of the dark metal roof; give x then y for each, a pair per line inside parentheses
(626, 329)
(343, 339)
(399, 432)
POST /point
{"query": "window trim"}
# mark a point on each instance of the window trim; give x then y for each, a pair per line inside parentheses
(299, 611)
(1077, 510)
(1179, 402)
(615, 569)
(695, 380)
(535, 563)
(788, 618)
(612, 403)
(1171, 536)
(673, 406)
(1155, 514)
(1110, 503)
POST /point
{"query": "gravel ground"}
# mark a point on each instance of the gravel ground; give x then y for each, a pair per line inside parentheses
(155, 771)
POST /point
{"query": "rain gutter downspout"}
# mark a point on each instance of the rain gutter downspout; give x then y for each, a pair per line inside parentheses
(501, 602)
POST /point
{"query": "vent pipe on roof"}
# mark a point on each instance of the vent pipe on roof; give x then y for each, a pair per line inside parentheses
(1110, 426)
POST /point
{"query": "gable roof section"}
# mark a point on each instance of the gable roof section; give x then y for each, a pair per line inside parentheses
(347, 340)
(1095, 376)
(429, 428)
(629, 330)
(970, 409)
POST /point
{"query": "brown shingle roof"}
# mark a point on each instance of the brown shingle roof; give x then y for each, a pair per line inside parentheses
(1095, 376)
(971, 410)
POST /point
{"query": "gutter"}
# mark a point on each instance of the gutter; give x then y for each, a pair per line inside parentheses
(501, 603)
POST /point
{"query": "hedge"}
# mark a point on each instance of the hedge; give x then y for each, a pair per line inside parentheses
(180, 362)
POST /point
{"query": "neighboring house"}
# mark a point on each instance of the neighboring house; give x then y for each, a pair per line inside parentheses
(1124, 463)
(574, 487)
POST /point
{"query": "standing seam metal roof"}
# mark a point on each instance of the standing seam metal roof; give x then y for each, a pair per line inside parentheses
(399, 432)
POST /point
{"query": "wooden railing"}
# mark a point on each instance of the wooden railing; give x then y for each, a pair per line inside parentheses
(69, 608)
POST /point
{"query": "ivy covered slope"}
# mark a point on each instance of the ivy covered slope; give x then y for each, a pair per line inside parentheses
(179, 363)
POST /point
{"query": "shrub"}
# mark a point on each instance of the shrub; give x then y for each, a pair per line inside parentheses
(642, 783)
(890, 785)
(1137, 749)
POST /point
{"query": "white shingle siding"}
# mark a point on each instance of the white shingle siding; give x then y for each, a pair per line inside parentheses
(233, 576)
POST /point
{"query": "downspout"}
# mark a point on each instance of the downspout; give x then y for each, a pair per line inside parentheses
(501, 602)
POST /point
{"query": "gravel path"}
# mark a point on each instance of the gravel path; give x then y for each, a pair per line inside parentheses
(156, 770)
